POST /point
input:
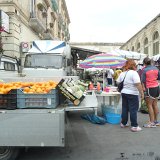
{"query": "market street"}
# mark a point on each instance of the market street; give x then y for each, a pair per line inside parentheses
(87, 141)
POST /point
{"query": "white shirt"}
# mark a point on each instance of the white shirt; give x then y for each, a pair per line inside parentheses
(110, 73)
(131, 78)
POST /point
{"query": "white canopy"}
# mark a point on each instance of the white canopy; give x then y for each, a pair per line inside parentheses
(129, 54)
(156, 57)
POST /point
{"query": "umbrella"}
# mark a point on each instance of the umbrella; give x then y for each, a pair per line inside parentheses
(103, 60)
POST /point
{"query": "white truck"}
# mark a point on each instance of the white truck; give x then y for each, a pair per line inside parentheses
(39, 127)
(48, 58)
(31, 127)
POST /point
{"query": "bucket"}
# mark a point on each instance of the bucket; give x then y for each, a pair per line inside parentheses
(113, 118)
(110, 109)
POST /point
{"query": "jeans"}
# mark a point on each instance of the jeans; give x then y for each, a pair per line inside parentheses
(130, 104)
(109, 81)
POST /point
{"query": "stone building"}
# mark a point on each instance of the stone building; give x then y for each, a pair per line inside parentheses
(147, 40)
(31, 20)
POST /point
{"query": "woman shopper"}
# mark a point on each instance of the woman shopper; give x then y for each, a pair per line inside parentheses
(150, 77)
(130, 95)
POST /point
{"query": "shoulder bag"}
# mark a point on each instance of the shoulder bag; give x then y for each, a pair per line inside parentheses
(120, 85)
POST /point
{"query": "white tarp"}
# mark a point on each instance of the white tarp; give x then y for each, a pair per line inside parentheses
(156, 57)
(129, 54)
(47, 46)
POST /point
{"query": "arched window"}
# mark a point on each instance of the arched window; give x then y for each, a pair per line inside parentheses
(155, 43)
(146, 45)
(138, 47)
(132, 48)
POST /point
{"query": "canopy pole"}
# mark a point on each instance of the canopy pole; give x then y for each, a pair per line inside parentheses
(103, 79)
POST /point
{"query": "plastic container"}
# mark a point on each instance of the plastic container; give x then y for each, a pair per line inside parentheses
(49, 100)
(107, 89)
(91, 87)
(8, 101)
(98, 87)
(113, 118)
(110, 109)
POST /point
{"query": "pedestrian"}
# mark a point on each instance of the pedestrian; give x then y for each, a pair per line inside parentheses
(150, 84)
(109, 76)
(117, 72)
(130, 95)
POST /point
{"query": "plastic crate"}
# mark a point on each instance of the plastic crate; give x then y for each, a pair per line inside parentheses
(49, 100)
(9, 101)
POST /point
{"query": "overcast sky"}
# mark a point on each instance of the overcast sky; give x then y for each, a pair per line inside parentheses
(109, 20)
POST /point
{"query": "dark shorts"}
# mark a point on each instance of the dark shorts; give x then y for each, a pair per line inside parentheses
(152, 92)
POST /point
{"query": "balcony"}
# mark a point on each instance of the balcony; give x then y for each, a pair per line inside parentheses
(48, 34)
(38, 22)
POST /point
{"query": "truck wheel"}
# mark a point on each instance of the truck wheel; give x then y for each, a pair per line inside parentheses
(8, 153)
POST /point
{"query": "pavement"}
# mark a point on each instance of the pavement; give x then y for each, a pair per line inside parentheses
(87, 141)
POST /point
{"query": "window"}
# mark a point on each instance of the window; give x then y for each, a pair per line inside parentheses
(138, 47)
(44, 61)
(8, 66)
(132, 48)
(146, 46)
(155, 43)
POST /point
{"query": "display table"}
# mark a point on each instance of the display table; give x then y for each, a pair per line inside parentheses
(89, 102)
(114, 97)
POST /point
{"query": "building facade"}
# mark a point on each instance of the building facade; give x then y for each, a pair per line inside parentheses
(147, 40)
(31, 20)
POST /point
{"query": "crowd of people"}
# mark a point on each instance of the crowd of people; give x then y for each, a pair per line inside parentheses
(142, 84)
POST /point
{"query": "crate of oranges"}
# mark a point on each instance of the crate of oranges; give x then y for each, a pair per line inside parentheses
(31, 94)
(9, 100)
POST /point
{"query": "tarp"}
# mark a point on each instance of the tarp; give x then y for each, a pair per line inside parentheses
(129, 54)
(156, 57)
(47, 46)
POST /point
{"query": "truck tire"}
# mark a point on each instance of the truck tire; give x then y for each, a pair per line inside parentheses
(8, 153)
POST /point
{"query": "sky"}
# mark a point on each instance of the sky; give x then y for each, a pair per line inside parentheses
(109, 21)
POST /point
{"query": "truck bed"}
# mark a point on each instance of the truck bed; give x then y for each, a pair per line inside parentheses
(32, 127)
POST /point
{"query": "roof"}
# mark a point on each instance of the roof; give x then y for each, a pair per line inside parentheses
(83, 53)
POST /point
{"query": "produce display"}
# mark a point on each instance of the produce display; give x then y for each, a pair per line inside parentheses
(29, 87)
(72, 89)
(77, 88)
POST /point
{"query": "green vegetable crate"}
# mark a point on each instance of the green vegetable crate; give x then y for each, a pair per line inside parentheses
(66, 92)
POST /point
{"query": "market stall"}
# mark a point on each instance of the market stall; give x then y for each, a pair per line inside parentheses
(89, 103)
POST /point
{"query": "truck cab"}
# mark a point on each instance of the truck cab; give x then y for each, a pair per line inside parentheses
(9, 66)
(48, 58)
